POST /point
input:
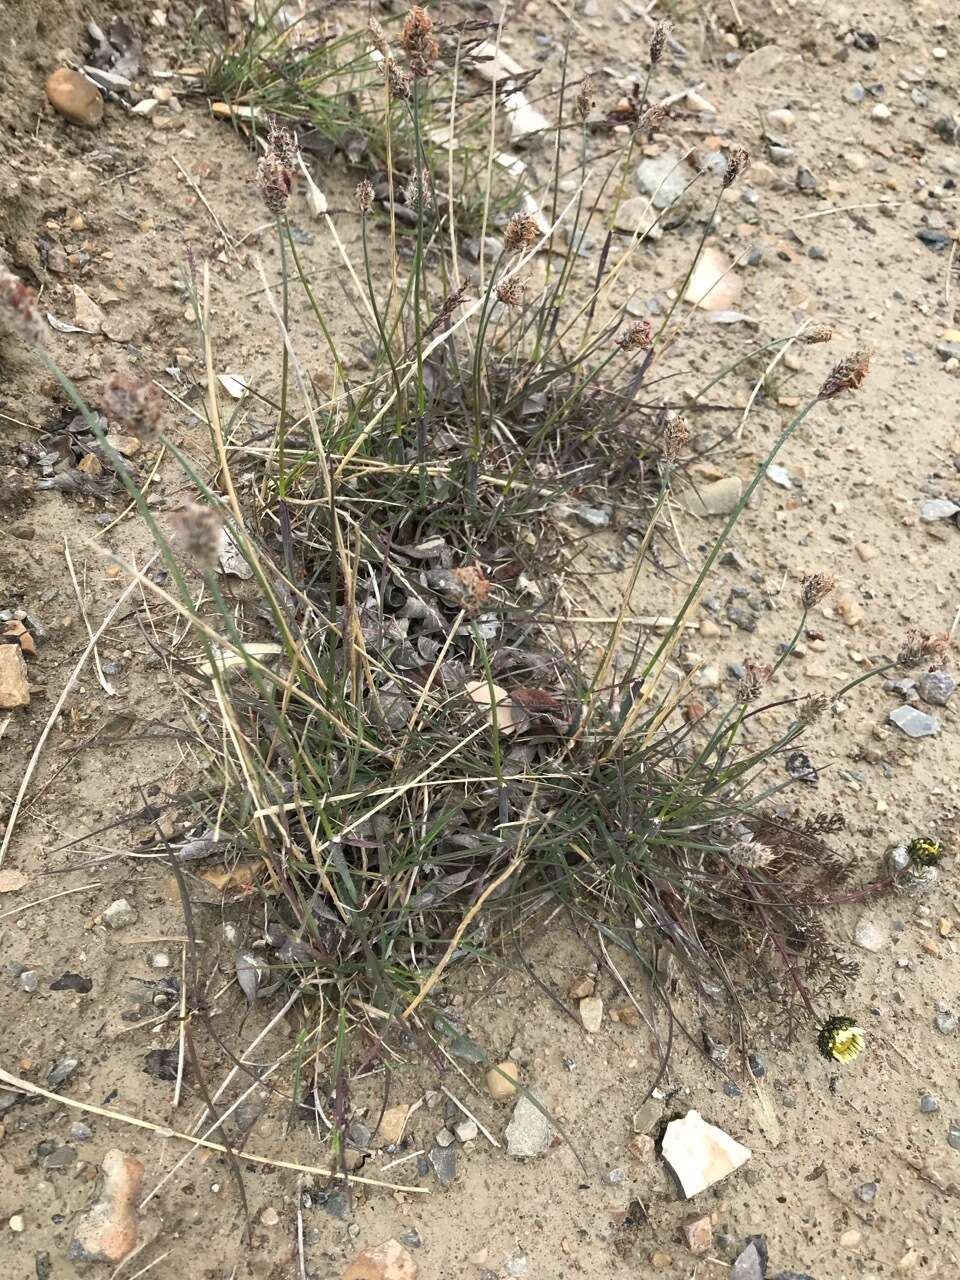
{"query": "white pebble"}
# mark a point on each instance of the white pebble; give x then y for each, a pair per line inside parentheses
(881, 111)
(939, 53)
(160, 960)
(17, 1223)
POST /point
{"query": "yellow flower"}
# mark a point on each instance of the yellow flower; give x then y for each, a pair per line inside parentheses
(841, 1039)
(924, 852)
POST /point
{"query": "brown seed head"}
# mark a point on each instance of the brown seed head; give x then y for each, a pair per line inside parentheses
(584, 103)
(658, 42)
(638, 337)
(817, 333)
(365, 194)
(676, 436)
(751, 684)
(848, 374)
(815, 588)
(134, 405)
(475, 587)
(198, 535)
(378, 37)
(399, 81)
(511, 292)
(812, 708)
(921, 646)
(521, 233)
(418, 191)
(18, 310)
(418, 41)
(275, 182)
(737, 162)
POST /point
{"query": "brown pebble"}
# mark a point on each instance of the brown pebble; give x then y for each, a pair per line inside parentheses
(14, 689)
(75, 97)
(866, 550)
(387, 1261)
(107, 1231)
(497, 1086)
(699, 1234)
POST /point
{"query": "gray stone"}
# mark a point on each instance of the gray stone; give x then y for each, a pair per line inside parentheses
(593, 517)
(466, 1130)
(914, 723)
(806, 180)
(748, 1264)
(953, 1135)
(938, 508)
(445, 1138)
(120, 914)
(28, 980)
(948, 350)
(665, 179)
(936, 687)
(518, 1266)
(59, 1158)
(871, 933)
(782, 157)
(929, 1105)
(867, 1192)
(742, 618)
(529, 1132)
(779, 476)
(61, 1071)
(856, 92)
(443, 1160)
(946, 1023)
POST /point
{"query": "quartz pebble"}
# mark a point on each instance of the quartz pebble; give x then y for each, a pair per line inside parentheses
(700, 1154)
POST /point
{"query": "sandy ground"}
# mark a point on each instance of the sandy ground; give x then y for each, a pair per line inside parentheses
(114, 204)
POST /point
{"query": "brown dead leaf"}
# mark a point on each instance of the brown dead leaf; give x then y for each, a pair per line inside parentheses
(235, 880)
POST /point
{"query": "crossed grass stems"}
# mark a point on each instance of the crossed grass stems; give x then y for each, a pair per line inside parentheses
(422, 768)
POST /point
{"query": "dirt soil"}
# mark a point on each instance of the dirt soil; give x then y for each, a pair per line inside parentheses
(110, 211)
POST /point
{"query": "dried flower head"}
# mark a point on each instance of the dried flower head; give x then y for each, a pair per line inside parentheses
(418, 41)
(198, 535)
(400, 82)
(511, 292)
(737, 162)
(418, 190)
(817, 333)
(283, 143)
(658, 42)
(378, 37)
(275, 182)
(840, 1039)
(584, 103)
(18, 309)
(134, 405)
(365, 194)
(637, 337)
(521, 233)
(921, 646)
(651, 118)
(474, 586)
(676, 436)
(812, 708)
(847, 374)
(449, 305)
(750, 686)
(749, 854)
(815, 588)
(924, 852)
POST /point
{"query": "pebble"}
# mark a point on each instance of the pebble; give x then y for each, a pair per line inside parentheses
(529, 1132)
(107, 1230)
(387, 1261)
(699, 1234)
(871, 934)
(936, 687)
(75, 97)
(466, 1130)
(856, 92)
(80, 1132)
(716, 499)
(851, 1239)
(16, 1223)
(938, 509)
(782, 118)
(751, 1263)
(14, 686)
(741, 618)
(28, 980)
(443, 1161)
(866, 551)
(663, 178)
(445, 1138)
(497, 1086)
(914, 723)
(929, 1105)
(867, 1192)
(120, 914)
(61, 1071)
(270, 1217)
(779, 476)
(699, 1153)
(391, 1125)
(806, 181)
(953, 1135)
(881, 111)
(591, 1013)
(946, 1023)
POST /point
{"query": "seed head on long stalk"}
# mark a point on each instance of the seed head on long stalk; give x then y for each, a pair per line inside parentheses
(848, 374)
(418, 41)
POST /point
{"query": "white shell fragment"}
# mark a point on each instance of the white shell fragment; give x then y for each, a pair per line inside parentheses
(700, 1154)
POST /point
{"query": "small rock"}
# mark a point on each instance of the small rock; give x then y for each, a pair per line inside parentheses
(592, 517)
(391, 1125)
(120, 914)
(529, 1132)
(443, 1161)
(17, 1224)
(445, 1138)
(914, 723)
(466, 1130)
(938, 509)
(779, 476)
(781, 118)
(758, 1068)
(849, 611)
(935, 240)
(805, 179)
(929, 1105)
(270, 1217)
(61, 1071)
(871, 933)
(866, 551)
(80, 1132)
(867, 1192)
(953, 1135)
(663, 178)
(29, 981)
(751, 1263)
(945, 1022)
(591, 1013)
(75, 97)
(59, 1158)
(502, 1079)
(699, 1234)
(936, 687)
(699, 1153)
(881, 111)
(741, 618)
(518, 1266)
(14, 689)
(856, 92)
(851, 1239)
(716, 499)
(72, 982)
(649, 1114)
(615, 1177)
(107, 1231)
(387, 1261)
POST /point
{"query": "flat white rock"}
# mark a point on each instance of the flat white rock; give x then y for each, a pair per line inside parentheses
(700, 1154)
(717, 498)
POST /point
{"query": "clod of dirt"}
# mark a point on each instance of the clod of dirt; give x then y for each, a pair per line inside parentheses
(387, 1261)
(14, 689)
(700, 1154)
(107, 1231)
(501, 1080)
(75, 97)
